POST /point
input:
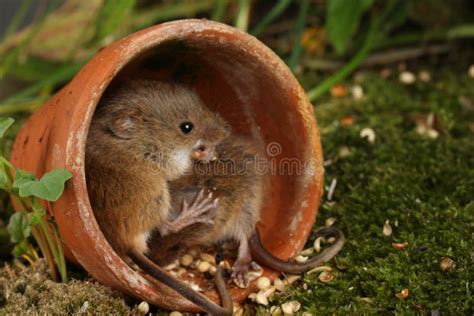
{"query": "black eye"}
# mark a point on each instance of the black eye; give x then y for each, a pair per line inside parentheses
(186, 127)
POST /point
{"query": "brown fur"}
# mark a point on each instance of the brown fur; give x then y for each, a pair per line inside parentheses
(129, 156)
(135, 146)
(240, 197)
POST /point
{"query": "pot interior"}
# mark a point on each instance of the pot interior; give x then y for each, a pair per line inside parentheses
(259, 99)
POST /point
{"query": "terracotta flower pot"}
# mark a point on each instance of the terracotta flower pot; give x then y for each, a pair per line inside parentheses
(238, 77)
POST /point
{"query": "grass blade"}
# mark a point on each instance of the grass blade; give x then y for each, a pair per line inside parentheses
(242, 18)
(274, 13)
(300, 24)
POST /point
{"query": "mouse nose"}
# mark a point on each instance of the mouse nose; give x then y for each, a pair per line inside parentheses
(203, 152)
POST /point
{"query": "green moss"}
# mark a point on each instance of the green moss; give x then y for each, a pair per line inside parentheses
(424, 186)
(30, 291)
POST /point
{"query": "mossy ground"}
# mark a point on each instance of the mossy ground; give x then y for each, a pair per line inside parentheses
(30, 291)
(423, 186)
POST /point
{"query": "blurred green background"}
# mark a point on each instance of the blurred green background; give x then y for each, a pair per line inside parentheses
(44, 42)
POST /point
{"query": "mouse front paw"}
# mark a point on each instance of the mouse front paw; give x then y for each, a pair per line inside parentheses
(196, 212)
(240, 274)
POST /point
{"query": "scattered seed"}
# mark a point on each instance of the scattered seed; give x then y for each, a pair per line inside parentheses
(212, 270)
(367, 300)
(204, 266)
(238, 310)
(326, 276)
(275, 311)
(252, 296)
(261, 299)
(357, 92)
(407, 77)
(171, 266)
(471, 71)
(263, 283)
(305, 286)
(317, 244)
(301, 258)
(385, 73)
(291, 307)
(320, 269)
(344, 151)
(327, 162)
(226, 265)
(307, 252)
(255, 266)
(424, 76)
(195, 287)
(368, 133)
(331, 240)
(387, 229)
(338, 91)
(306, 314)
(208, 258)
(332, 188)
(279, 285)
(447, 264)
(186, 260)
(329, 221)
(193, 252)
(466, 103)
(399, 246)
(143, 307)
(347, 120)
(292, 278)
(403, 294)
(268, 292)
(175, 313)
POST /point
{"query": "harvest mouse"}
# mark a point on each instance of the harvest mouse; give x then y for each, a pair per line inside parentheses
(238, 178)
(144, 134)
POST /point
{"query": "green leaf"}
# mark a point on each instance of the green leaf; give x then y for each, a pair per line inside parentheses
(343, 19)
(20, 249)
(21, 176)
(49, 187)
(111, 16)
(3, 178)
(18, 227)
(36, 216)
(5, 124)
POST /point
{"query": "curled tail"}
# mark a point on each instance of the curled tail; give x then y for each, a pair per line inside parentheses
(197, 298)
(263, 256)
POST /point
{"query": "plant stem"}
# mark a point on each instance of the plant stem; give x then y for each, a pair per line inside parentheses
(62, 262)
(38, 235)
(273, 14)
(17, 18)
(62, 75)
(28, 106)
(300, 24)
(242, 19)
(219, 10)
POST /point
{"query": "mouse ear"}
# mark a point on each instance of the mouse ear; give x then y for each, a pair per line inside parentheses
(124, 125)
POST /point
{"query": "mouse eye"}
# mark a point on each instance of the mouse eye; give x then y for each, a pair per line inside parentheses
(186, 127)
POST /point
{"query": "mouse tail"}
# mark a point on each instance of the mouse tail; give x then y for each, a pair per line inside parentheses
(197, 298)
(263, 256)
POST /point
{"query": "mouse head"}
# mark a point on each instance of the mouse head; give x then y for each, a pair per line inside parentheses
(164, 123)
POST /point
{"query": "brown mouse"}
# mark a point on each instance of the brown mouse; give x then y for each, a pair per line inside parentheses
(143, 135)
(238, 178)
